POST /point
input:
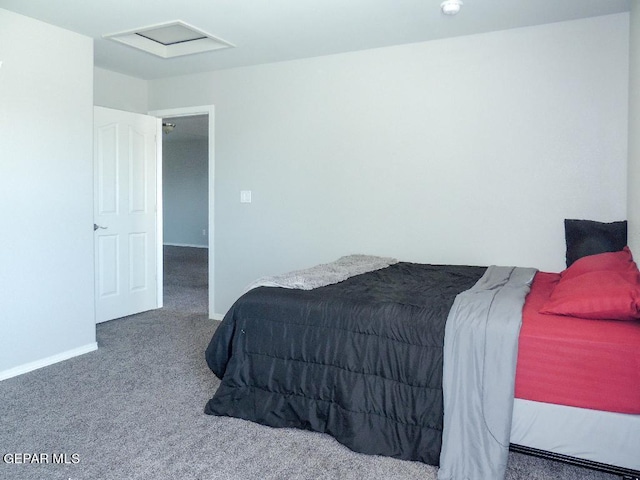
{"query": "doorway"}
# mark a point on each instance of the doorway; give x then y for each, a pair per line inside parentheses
(185, 207)
(182, 219)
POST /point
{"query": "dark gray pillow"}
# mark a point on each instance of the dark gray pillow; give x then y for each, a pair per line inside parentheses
(587, 237)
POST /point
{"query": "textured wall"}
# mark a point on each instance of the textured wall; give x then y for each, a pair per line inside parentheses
(185, 192)
(633, 185)
(46, 194)
(468, 150)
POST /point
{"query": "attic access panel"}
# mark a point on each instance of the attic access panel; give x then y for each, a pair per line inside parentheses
(171, 39)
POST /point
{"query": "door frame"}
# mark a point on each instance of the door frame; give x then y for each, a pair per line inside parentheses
(187, 112)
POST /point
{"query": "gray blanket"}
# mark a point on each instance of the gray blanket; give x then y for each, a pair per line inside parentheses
(326, 273)
(480, 353)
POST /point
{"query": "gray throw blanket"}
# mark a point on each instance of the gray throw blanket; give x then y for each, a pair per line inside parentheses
(326, 273)
(480, 354)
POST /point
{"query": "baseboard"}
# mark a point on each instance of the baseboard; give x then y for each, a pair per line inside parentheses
(217, 316)
(184, 245)
(29, 367)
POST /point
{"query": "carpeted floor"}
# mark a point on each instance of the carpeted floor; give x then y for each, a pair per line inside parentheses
(134, 410)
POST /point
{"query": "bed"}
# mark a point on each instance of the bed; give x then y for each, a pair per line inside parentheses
(377, 356)
(577, 396)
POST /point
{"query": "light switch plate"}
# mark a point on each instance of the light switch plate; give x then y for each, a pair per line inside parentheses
(245, 196)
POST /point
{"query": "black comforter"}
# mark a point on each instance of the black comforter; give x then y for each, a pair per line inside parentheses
(360, 360)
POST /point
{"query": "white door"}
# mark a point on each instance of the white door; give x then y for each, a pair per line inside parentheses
(124, 213)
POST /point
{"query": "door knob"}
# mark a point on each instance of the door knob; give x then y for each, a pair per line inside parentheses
(96, 227)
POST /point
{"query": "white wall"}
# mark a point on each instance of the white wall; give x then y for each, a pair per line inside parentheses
(469, 150)
(633, 178)
(122, 92)
(46, 194)
(185, 192)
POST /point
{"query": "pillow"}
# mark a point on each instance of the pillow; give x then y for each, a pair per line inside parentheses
(621, 262)
(603, 295)
(587, 237)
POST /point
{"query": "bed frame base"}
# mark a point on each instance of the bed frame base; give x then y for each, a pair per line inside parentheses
(625, 473)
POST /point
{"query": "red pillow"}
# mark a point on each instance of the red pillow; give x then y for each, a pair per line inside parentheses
(621, 261)
(605, 295)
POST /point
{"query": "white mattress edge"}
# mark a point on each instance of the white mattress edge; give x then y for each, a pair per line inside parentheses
(605, 437)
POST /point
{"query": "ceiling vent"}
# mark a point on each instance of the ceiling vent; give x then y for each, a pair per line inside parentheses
(172, 39)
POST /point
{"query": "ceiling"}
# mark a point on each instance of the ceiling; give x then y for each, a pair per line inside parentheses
(265, 31)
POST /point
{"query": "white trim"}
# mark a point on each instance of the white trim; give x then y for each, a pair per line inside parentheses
(159, 218)
(217, 316)
(185, 245)
(185, 112)
(45, 362)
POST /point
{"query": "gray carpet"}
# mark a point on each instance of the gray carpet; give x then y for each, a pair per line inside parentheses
(134, 410)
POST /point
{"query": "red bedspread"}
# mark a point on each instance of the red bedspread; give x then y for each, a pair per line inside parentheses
(577, 362)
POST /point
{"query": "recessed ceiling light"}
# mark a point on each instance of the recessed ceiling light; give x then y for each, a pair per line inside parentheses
(171, 39)
(451, 7)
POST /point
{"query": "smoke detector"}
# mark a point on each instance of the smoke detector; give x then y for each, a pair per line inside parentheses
(451, 7)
